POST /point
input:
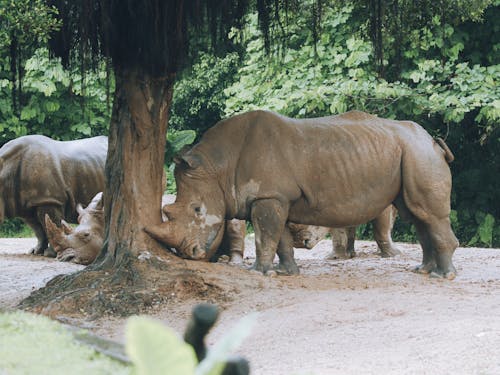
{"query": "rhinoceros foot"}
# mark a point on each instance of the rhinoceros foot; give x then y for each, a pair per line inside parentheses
(340, 255)
(443, 275)
(236, 258)
(223, 259)
(425, 268)
(39, 249)
(390, 252)
(50, 252)
(287, 268)
(264, 269)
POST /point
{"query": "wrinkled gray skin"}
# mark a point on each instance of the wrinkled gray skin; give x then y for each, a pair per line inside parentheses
(337, 171)
(40, 176)
(82, 244)
(232, 244)
(307, 236)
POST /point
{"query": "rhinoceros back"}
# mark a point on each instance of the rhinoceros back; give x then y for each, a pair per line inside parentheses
(312, 162)
(43, 172)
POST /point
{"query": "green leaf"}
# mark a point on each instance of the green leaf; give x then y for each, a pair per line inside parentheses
(27, 113)
(176, 140)
(213, 364)
(485, 230)
(156, 349)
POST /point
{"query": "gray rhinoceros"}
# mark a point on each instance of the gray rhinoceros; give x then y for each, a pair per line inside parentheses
(81, 244)
(336, 171)
(39, 176)
(307, 236)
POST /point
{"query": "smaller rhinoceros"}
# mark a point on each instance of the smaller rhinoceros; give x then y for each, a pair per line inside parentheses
(82, 244)
(307, 236)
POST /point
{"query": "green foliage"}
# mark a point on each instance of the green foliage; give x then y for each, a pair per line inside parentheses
(57, 103)
(29, 21)
(15, 228)
(176, 141)
(34, 344)
(156, 349)
(199, 97)
(152, 348)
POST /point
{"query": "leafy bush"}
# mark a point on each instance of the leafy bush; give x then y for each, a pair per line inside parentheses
(199, 96)
(58, 103)
(15, 228)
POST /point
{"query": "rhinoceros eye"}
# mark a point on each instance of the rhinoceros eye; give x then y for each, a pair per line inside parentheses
(197, 209)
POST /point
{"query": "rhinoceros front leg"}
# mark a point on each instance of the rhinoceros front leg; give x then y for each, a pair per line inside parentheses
(382, 228)
(343, 243)
(285, 252)
(268, 220)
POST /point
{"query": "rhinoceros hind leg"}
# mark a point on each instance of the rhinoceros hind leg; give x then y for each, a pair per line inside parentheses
(287, 265)
(38, 226)
(343, 243)
(268, 220)
(42, 241)
(438, 244)
(382, 228)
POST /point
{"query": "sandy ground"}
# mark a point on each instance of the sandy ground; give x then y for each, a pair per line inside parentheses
(362, 316)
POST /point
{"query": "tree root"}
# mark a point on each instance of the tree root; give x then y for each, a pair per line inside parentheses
(132, 287)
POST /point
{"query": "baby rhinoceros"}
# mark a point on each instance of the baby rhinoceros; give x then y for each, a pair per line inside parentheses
(81, 244)
(307, 236)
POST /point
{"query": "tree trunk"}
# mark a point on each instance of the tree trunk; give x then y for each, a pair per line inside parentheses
(134, 165)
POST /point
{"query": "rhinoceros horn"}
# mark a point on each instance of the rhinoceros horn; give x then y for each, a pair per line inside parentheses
(162, 232)
(66, 227)
(55, 234)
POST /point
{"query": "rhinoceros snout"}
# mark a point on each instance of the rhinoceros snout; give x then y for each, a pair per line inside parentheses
(196, 252)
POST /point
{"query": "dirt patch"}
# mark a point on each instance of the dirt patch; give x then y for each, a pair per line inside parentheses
(367, 315)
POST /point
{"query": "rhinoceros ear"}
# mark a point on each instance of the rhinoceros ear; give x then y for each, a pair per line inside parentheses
(191, 160)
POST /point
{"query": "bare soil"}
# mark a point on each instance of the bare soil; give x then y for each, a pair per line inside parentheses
(367, 315)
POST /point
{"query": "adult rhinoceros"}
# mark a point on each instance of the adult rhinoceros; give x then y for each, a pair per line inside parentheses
(39, 176)
(336, 171)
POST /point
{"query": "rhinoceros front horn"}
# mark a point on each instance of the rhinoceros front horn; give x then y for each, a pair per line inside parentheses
(55, 234)
(162, 233)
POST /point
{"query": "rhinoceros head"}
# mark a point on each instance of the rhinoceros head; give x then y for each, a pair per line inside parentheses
(83, 243)
(195, 221)
(306, 236)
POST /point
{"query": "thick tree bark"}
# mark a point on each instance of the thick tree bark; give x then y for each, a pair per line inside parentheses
(134, 165)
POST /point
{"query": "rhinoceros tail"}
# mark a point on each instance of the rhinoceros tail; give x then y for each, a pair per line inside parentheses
(448, 155)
